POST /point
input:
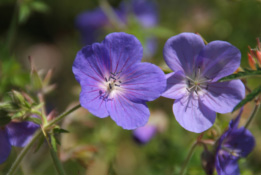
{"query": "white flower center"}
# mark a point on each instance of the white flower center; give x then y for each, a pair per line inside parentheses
(196, 82)
(111, 85)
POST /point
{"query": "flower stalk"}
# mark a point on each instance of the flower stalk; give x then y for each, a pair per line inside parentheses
(191, 151)
(254, 112)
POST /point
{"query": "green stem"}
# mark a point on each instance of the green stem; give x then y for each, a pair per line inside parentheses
(253, 114)
(23, 152)
(56, 161)
(13, 26)
(191, 151)
(110, 13)
(60, 117)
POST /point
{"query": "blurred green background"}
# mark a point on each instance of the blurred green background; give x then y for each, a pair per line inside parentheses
(46, 31)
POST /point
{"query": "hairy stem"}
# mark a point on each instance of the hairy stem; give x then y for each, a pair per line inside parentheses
(56, 160)
(60, 117)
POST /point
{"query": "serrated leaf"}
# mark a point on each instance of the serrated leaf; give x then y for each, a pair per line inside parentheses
(248, 98)
(244, 74)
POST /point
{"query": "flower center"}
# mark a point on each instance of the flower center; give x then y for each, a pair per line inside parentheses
(196, 82)
(233, 152)
(111, 85)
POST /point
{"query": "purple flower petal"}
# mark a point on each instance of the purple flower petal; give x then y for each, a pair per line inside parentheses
(180, 51)
(143, 82)
(89, 66)
(144, 134)
(146, 12)
(115, 83)
(232, 145)
(226, 166)
(176, 85)
(222, 97)
(93, 19)
(21, 133)
(193, 115)
(91, 98)
(89, 24)
(124, 50)
(240, 140)
(219, 59)
(127, 114)
(5, 146)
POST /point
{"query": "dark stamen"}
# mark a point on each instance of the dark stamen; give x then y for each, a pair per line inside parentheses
(117, 85)
(110, 85)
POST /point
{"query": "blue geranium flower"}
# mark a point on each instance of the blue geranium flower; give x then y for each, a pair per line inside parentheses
(114, 82)
(15, 134)
(232, 145)
(194, 83)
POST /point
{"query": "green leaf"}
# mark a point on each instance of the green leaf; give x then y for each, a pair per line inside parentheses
(5, 105)
(59, 131)
(36, 80)
(39, 6)
(244, 74)
(24, 13)
(18, 97)
(248, 98)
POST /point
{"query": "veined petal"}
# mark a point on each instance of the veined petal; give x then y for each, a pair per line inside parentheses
(222, 97)
(93, 98)
(193, 115)
(124, 50)
(219, 59)
(143, 82)
(180, 51)
(91, 63)
(5, 146)
(21, 133)
(127, 114)
(225, 165)
(176, 85)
